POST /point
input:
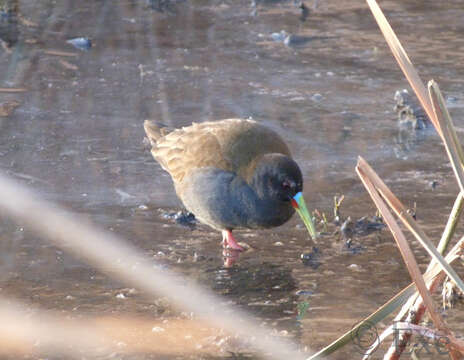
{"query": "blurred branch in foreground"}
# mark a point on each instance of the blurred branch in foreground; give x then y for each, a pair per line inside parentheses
(119, 259)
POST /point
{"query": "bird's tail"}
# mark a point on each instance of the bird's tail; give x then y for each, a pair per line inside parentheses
(155, 131)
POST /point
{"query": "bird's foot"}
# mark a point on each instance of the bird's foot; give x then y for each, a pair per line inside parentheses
(228, 241)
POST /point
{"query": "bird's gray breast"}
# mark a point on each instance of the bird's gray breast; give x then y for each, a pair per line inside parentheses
(224, 200)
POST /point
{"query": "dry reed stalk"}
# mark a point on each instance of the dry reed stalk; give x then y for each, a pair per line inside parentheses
(445, 239)
(414, 307)
(60, 53)
(416, 312)
(406, 252)
(390, 306)
(12, 90)
(429, 333)
(402, 243)
(440, 119)
(433, 277)
(445, 123)
(403, 60)
(401, 211)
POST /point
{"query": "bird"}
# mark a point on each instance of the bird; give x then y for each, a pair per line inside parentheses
(231, 174)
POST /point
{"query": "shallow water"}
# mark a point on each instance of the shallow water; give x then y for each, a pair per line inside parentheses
(77, 139)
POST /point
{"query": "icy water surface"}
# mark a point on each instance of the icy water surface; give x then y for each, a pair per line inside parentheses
(75, 136)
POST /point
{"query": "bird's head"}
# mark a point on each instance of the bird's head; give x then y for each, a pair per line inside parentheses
(278, 177)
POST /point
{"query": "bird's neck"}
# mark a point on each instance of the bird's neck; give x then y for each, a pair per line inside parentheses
(259, 212)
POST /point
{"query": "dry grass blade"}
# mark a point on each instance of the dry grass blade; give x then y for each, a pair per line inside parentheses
(408, 220)
(451, 224)
(442, 122)
(390, 306)
(403, 245)
(403, 60)
(409, 260)
(414, 308)
(434, 272)
(12, 90)
(430, 333)
(60, 53)
(377, 316)
(448, 233)
(452, 145)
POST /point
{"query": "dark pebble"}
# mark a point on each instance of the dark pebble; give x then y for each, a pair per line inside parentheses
(311, 259)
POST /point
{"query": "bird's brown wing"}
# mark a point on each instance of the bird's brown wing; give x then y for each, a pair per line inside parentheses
(229, 145)
(243, 142)
(183, 150)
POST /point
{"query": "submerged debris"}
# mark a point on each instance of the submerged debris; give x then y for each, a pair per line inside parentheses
(279, 36)
(296, 40)
(434, 184)
(67, 65)
(346, 228)
(407, 140)
(410, 113)
(183, 218)
(8, 107)
(365, 225)
(411, 117)
(291, 39)
(451, 294)
(304, 11)
(302, 308)
(81, 43)
(311, 259)
(9, 31)
(352, 248)
(362, 227)
(164, 6)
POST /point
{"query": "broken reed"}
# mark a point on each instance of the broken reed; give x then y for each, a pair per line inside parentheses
(434, 105)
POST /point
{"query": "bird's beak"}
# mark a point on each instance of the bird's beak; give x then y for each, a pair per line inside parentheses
(300, 206)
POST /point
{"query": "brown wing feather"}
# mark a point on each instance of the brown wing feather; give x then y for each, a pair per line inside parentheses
(231, 145)
(186, 149)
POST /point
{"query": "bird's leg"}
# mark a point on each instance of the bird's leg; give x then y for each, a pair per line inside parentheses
(231, 250)
(229, 241)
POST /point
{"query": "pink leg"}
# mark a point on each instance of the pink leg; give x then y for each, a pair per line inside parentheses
(229, 241)
(230, 257)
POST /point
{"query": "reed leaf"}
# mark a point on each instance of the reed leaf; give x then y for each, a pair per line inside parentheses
(408, 220)
(389, 307)
(403, 60)
(452, 145)
(368, 180)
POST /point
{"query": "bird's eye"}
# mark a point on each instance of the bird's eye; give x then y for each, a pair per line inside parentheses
(286, 185)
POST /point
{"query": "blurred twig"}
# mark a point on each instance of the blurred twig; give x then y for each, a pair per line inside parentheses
(20, 331)
(119, 259)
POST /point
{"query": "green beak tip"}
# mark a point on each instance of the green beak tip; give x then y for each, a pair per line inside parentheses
(302, 210)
